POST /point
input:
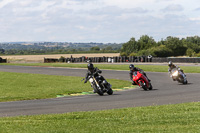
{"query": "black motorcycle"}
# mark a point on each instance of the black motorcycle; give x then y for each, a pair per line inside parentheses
(100, 85)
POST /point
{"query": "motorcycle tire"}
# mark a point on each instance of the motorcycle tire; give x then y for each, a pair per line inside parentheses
(143, 86)
(150, 86)
(100, 92)
(110, 92)
(185, 82)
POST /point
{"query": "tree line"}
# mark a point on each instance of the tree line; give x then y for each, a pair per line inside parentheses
(20, 49)
(55, 51)
(145, 45)
(171, 46)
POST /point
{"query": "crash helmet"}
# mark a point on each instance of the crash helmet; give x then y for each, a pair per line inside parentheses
(131, 66)
(90, 66)
(170, 63)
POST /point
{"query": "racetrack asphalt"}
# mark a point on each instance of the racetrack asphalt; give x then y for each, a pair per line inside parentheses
(165, 91)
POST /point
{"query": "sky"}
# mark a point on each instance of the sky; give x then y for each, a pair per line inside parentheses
(101, 21)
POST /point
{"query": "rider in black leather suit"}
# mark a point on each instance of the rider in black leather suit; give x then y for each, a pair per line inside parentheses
(92, 71)
(133, 69)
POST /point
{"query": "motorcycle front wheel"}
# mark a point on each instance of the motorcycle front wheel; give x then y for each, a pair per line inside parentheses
(143, 86)
(100, 92)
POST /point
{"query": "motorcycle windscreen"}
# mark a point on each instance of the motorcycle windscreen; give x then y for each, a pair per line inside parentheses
(135, 73)
(135, 76)
(174, 72)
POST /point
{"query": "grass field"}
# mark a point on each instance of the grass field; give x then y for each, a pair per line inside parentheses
(148, 68)
(22, 86)
(178, 118)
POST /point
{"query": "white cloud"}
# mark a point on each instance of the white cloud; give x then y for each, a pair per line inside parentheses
(128, 3)
(5, 2)
(173, 8)
(97, 20)
(197, 9)
(194, 19)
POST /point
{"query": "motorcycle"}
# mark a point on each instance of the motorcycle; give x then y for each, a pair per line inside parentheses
(179, 76)
(142, 81)
(100, 85)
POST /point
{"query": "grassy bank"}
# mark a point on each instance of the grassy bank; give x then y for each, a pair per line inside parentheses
(179, 118)
(148, 68)
(22, 86)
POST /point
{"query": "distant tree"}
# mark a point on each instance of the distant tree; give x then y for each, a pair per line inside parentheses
(2, 51)
(176, 45)
(192, 43)
(96, 48)
(123, 54)
(133, 54)
(198, 54)
(129, 47)
(108, 48)
(161, 51)
(80, 49)
(144, 52)
(145, 42)
(190, 52)
(73, 50)
(195, 40)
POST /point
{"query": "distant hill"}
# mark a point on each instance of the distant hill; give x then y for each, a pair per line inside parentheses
(58, 45)
(27, 48)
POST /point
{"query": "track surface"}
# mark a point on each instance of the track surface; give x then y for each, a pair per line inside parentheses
(165, 91)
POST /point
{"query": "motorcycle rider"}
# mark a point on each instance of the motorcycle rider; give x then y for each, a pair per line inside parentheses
(133, 69)
(172, 66)
(93, 71)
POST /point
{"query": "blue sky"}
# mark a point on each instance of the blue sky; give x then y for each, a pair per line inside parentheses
(107, 21)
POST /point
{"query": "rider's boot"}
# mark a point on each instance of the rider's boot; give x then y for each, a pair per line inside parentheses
(94, 91)
(148, 79)
(133, 83)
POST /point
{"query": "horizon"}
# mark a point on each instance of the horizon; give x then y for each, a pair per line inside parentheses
(93, 42)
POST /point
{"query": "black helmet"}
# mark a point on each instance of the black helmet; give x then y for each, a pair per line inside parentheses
(90, 66)
(131, 66)
(170, 63)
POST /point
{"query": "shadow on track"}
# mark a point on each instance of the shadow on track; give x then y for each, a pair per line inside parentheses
(186, 84)
(149, 90)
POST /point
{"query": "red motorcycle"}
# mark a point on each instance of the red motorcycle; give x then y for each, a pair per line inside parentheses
(142, 81)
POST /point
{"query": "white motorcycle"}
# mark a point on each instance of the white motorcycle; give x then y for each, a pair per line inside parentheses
(179, 76)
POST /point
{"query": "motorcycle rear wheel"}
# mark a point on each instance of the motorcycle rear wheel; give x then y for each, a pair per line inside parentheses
(150, 86)
(185, 82)
(110, 92)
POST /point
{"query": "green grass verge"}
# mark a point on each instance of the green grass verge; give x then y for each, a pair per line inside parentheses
(23, 86)
(148, 68)
(179, 118)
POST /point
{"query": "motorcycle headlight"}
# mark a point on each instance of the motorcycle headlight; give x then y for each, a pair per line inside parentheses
(91, 80)
(175, 73)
